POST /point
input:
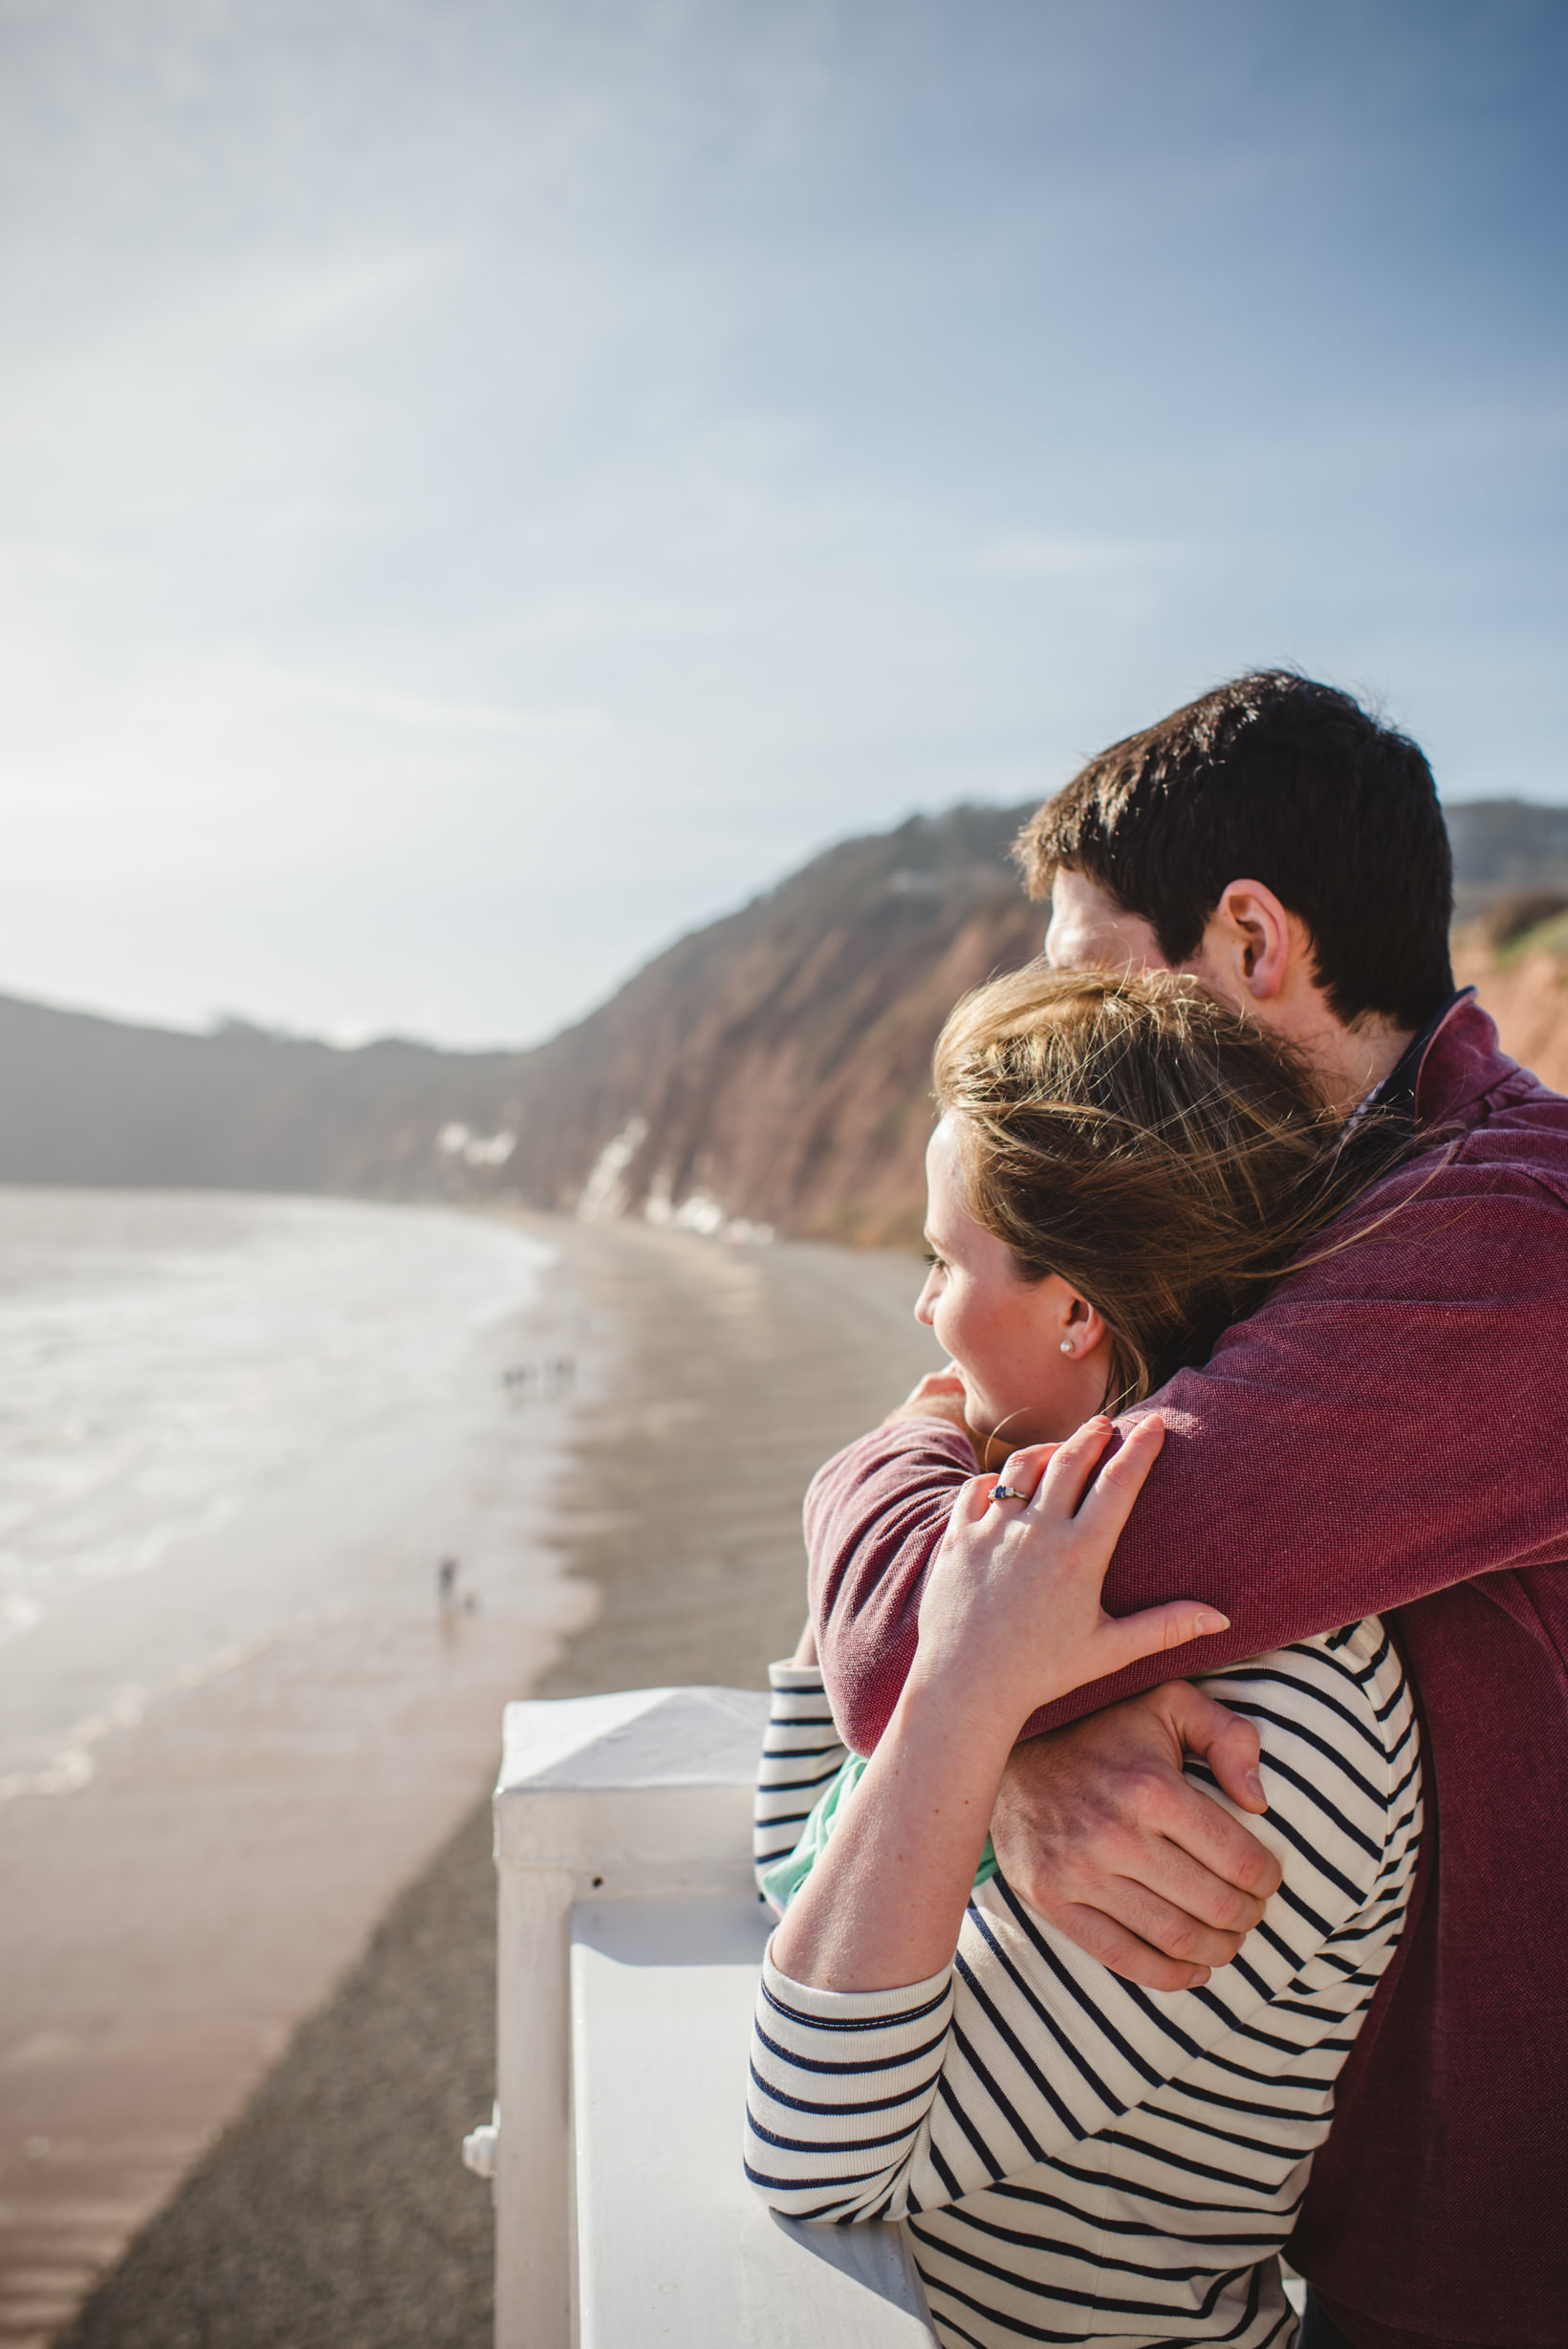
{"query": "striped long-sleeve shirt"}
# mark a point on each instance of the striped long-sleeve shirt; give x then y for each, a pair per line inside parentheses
(1078, 2159)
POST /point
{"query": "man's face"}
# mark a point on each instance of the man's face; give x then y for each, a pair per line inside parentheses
(1090, 931)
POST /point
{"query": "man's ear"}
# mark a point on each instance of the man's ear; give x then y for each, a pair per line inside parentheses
(1249, 943)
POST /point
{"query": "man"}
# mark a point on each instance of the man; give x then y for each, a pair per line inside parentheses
(1380, 1436)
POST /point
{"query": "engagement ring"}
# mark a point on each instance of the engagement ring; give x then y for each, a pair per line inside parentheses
(1007, 1492)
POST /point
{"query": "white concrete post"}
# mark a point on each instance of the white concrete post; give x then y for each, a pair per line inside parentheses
(647, 1791)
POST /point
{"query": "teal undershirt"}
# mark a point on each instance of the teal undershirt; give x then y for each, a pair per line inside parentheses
(783, 1880)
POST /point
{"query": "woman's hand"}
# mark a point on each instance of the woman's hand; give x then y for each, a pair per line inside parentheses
(1011, 1617)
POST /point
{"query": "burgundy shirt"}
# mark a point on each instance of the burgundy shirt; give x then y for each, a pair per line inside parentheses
(1382, 1436)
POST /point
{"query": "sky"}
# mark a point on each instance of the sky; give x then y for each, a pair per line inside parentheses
(487, 486)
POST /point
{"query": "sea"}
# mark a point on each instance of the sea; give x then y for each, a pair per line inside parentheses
(277, 1486)
(222, 1415)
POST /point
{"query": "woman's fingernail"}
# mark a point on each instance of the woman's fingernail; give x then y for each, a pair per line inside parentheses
(1207, 1622)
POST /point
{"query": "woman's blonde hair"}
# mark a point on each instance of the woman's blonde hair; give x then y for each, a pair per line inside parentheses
(1159, 1152)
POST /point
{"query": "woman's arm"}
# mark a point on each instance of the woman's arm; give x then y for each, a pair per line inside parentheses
(874, 2103)
(1129, 1858)
(1011, 1617)
(802, 1754)
(884, 1902)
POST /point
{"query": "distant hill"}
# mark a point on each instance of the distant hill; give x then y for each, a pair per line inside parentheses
(773, 1065)
(90, 1101)
(1501, 846)
(769, 1069)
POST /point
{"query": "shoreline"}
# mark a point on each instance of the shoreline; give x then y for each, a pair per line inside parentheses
(308, 1729)
(334, 2209)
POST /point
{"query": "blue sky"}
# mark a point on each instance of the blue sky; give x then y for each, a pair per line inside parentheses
(488, 484)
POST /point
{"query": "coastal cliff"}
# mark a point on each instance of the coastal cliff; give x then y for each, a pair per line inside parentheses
(769, 1071)
(775, 1067)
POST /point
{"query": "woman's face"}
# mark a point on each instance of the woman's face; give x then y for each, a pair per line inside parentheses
(1005, 1335)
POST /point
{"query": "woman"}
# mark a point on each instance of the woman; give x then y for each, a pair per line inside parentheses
(1118, 1165)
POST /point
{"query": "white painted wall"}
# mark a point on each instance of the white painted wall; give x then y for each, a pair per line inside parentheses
(630, 1939)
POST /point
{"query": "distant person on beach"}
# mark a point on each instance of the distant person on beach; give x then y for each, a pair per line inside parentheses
(1376, 1437)
(927, 2047)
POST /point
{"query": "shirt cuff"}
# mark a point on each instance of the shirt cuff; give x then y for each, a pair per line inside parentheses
(796, 1679)
(913, 2002)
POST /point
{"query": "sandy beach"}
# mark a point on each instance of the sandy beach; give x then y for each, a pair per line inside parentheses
(313, 2195)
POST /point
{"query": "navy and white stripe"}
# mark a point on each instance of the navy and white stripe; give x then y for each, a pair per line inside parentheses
(1078, 2159)
(801, 1756)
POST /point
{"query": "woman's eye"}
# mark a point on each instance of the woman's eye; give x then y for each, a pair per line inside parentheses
(931, 1256)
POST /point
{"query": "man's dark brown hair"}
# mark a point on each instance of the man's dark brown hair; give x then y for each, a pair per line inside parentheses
(1277, 779)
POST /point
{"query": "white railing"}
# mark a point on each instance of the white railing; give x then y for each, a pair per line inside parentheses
(630, 1941)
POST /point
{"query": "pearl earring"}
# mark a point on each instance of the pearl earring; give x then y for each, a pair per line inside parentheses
(1067, 1345)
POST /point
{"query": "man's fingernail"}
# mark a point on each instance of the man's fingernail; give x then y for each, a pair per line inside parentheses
(1255, 1786)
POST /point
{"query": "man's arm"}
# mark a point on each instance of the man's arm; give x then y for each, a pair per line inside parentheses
(1425, 1339)
(1428, 1335)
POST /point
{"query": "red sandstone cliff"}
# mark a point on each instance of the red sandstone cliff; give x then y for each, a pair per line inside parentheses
(1523, 982)
(772, 1068)
(775, 1066)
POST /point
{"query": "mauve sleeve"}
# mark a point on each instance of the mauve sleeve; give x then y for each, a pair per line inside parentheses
(873, 1519)
(1375, 1431)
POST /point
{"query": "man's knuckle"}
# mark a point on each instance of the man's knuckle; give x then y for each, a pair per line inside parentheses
(1258, 1872)
(1098, 1941)
(1146, 1786)
(1092, 1932)
(1156, 1973)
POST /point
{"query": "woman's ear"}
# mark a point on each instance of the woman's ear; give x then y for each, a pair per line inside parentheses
(1082, 1330)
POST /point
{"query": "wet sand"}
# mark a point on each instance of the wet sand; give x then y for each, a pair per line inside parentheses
(332, 2210)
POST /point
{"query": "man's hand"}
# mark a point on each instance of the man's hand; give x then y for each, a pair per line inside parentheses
(940, 1395)
(1098, 1830)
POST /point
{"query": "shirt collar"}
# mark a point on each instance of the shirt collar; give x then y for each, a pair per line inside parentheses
(1399, 1088)
(1397, 1091)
